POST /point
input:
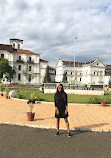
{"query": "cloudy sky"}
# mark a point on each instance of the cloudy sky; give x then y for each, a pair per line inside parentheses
(49, 27)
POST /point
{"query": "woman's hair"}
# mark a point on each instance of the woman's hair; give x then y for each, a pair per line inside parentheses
(62, 89)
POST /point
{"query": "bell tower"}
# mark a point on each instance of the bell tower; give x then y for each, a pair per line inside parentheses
(16, 43)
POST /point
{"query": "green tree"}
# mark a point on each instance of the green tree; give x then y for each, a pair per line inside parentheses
(6, 70)
(47, 78)
(64, 80)
(110, 79)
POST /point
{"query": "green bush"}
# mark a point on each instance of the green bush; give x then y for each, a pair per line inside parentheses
(95, 100)
(20, 96)
(107, 100)
(107, 93)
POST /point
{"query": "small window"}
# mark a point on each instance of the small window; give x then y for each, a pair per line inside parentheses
(2, 55)
(97, 64)
(29, 68)
(94, 73)
(80, 79)
(18, 46)
(13, 45)
(19, 67)
(71, 73)
(19, 57)
(19, 77)
(66, 73)
(29, 58)
(29, 77)
(97, 73)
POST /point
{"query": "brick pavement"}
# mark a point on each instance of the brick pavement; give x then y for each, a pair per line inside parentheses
(81, 116)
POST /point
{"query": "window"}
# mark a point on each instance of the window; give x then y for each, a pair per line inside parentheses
(30, 68)
(2, 55)
(80, 79)
(13, 45)
(19, 67)
(97, 64)
(94, 73)
(18, 46)
(71, 73)
(66, 73)
(97, 73)
(19, 57)
(29, 77)
(19, 77)
(29, 58)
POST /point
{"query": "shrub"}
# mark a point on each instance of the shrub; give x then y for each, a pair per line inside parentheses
(107, 100)
(19, 96)
(107, 93)
(95, 100)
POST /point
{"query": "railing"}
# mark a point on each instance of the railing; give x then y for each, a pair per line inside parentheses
(30, 62)
(20, 61)
(74, 86)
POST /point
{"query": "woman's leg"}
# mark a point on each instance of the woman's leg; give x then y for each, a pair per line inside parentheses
(67, 124)
(57, 123)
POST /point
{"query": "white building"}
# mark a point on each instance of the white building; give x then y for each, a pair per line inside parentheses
(85, 73)
(28, 65)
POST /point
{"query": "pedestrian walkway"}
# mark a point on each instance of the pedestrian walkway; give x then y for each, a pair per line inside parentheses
(81, 116)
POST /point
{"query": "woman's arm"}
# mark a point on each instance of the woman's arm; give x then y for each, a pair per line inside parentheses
(56, 107)
(66, 105)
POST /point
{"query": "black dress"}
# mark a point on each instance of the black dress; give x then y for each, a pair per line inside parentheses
(60, 99)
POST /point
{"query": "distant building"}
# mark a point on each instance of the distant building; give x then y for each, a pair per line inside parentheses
(85, 73)
(27, 64)
(107, 74)
(52, 72)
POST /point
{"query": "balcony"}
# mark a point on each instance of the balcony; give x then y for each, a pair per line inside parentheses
(20, 61)
(30, 62)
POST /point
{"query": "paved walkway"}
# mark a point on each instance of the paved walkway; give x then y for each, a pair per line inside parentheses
(81, 116)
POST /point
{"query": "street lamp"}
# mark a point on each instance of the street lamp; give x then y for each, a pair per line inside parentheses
(74, 55)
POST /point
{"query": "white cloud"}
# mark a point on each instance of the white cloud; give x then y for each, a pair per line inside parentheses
(49, 27)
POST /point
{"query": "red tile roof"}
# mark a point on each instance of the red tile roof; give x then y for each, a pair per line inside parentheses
(9, 48)
(108, 65)
(89, 62)
(21, 51)
(51, 68)
(6, 47)
(41, 60)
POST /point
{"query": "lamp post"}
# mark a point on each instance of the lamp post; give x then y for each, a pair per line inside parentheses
(74, 56)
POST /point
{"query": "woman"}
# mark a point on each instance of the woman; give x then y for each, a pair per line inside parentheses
(61, 108)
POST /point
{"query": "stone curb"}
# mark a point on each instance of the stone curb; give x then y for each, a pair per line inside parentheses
(68, 103)
(52, 127)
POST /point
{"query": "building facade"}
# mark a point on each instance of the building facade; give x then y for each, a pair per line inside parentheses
(52, 73)
(27, 64)
(82, 73)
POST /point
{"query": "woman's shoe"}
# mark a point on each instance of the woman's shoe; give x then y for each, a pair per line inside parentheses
(57, 134)
(69, 135)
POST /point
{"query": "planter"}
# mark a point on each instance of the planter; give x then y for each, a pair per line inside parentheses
(6, 96)
(103, 103)
(1, 94)
(30, 116)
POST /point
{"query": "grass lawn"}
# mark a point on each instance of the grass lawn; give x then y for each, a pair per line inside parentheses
(72, 98)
